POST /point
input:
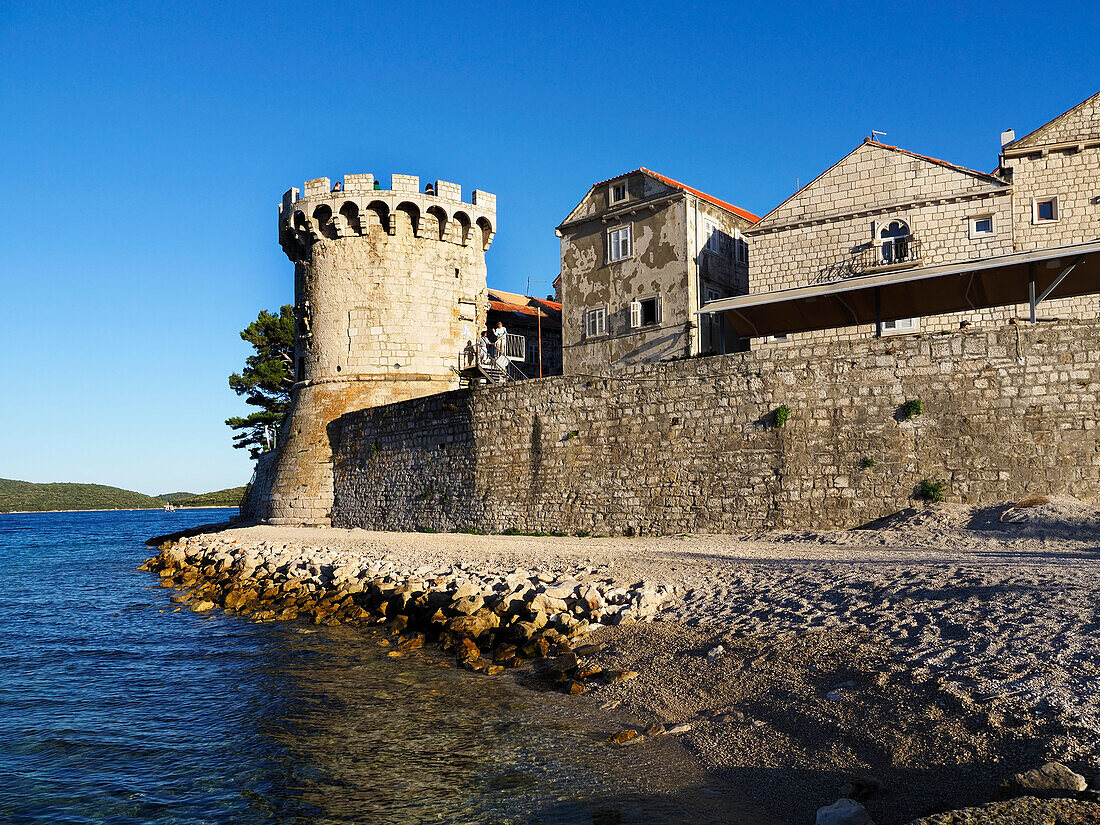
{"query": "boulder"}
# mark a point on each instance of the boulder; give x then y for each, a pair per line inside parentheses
(466, 651)
(1049, 780)
(542, 603)
(843, 812)
(468, 605)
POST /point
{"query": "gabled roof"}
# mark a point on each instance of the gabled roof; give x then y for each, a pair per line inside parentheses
(683, 187)
(984, 176)
(1069, 114)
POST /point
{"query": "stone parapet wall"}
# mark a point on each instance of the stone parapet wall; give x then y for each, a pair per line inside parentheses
(691, 446)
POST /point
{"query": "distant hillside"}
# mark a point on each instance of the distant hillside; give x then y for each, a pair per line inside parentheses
(175, 496)
(219, 498)
(27, 496)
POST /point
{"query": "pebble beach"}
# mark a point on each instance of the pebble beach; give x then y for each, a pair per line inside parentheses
(912, 665)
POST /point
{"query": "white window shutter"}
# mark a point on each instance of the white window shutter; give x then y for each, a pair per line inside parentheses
(635, 314)
(626, 250)
(660, 309)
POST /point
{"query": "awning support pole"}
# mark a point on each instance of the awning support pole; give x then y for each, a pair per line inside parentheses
(1031, 289)
(878, 313)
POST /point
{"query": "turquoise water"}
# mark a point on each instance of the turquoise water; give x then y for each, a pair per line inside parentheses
(117, 708)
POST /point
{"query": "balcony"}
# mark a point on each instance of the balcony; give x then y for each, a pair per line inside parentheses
(888, 254)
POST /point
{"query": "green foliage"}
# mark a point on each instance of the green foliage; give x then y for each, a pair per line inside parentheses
(571, 434)
(469, 531)
(174, 496)
(931, 490)
(230, 497)
(26, 496)
(866, 462)
(912, 408)
(781, 414)
(266, 379)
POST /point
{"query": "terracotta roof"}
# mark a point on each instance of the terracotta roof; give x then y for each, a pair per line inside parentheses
(675, 184)
(554, 305)
(937, 161)
(502, 306)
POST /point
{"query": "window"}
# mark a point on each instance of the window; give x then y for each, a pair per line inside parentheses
(776, 339)
(646, 312)
(981, 227)
(712, 238)
(896, 244)
(742, 250)
(898, 325)
(616, 192)
(618, 243)
(1044, 210)
(595, 322)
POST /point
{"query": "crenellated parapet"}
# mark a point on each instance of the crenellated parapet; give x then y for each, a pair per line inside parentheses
(357, 206)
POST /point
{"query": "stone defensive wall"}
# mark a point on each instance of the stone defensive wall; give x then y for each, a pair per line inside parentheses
(695, 446)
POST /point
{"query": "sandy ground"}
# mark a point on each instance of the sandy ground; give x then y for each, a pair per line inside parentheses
(920, 660)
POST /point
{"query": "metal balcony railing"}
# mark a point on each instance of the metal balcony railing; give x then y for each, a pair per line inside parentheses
(515, 347)
(890, 252)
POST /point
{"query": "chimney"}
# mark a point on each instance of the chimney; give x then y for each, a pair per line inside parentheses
(1007, 136)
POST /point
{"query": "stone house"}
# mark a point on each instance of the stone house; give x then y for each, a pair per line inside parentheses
(640, 255)
(534, 331)
(887, 241)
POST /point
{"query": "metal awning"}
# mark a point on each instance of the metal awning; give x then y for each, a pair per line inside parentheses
(1016, 278)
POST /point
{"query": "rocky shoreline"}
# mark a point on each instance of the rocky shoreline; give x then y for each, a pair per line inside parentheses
(490, 621)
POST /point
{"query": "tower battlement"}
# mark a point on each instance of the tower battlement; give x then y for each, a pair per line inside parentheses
(357, 208)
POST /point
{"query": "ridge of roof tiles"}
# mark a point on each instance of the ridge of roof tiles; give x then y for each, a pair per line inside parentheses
(675, 184)
(937, 161)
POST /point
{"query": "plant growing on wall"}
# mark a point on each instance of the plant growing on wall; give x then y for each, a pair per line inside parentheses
(930, 490)
(781, 414)
(866, 463)
(911, 408)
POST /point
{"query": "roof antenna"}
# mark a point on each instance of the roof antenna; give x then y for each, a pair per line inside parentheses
(876, 132)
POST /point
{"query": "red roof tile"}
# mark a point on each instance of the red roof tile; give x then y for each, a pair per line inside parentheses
(675, 184)
(554, 305)
(502, 306)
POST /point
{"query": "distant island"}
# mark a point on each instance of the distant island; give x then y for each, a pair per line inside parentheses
(26, 496)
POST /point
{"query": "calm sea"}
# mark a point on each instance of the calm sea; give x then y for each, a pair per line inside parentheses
(116, 708)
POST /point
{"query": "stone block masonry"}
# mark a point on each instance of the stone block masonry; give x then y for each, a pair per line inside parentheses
(691, 446)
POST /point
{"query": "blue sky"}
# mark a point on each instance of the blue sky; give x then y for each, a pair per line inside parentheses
(144, 148)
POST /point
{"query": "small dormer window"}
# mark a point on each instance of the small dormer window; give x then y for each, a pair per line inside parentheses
(617, 192)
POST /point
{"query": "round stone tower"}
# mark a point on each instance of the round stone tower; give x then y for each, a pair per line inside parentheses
(389, 286)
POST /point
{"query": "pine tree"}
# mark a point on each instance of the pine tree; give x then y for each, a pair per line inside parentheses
(266, 379)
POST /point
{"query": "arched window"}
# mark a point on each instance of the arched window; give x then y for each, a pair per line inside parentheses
(896, 242)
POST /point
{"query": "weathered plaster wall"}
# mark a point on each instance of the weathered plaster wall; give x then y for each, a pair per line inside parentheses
(657, 266)
(689, 446)
(667, 243)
